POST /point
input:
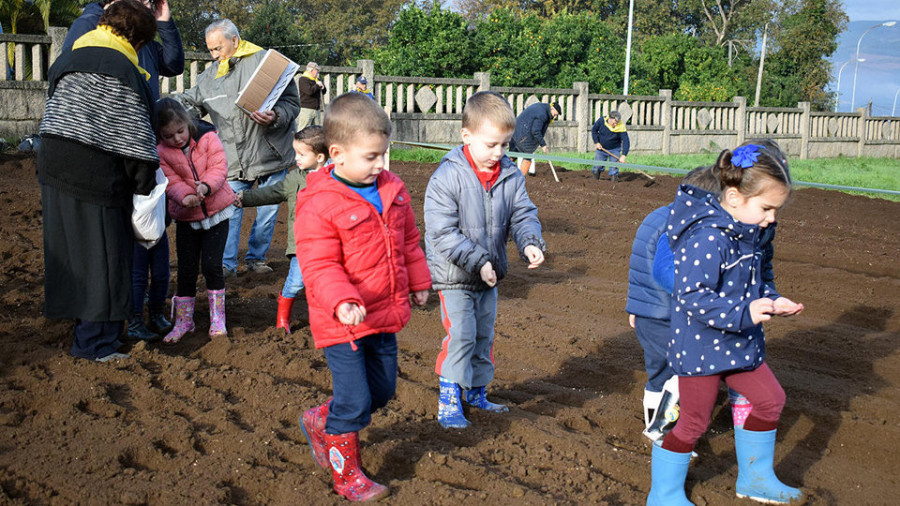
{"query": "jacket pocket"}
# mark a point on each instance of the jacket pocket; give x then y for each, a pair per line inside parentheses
(357, 229)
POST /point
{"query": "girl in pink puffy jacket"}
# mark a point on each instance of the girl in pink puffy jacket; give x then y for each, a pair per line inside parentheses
(200, 202)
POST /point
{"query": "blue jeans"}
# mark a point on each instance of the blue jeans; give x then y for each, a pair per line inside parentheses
(466, 355)
(363, 380)
(263, 226)
(294, 282)
(156, 260)
(654, 337)
(603, 157)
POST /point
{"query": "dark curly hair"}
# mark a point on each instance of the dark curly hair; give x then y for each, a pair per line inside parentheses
(130, 19)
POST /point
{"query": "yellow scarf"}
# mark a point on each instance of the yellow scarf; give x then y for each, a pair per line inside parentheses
(244, 49)
(103, 36)
(307, 74)
(619, 128)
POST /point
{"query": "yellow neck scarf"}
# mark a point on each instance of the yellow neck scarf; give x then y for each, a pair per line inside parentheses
(244, 49)
(619, 128)
(103, 36)
(307, 74)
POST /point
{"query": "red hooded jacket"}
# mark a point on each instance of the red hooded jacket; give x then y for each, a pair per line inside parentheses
(349, 253)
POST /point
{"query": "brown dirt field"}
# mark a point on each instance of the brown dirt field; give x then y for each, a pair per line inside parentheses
(215, 421)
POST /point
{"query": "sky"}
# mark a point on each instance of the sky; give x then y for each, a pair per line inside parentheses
(877, 78)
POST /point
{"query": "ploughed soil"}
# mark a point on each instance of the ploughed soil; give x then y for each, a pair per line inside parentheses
(215, 421)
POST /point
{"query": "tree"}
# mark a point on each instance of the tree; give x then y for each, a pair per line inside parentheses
(436, 43)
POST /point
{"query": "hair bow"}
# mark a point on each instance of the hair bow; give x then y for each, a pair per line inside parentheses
(745, 156)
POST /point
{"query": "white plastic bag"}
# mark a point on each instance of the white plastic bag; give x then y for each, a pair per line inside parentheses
(148, 219)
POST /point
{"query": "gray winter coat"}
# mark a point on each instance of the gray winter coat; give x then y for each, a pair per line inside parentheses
(466, 226)
(253, 150)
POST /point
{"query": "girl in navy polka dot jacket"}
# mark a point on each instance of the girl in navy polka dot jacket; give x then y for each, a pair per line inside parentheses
(718, 307)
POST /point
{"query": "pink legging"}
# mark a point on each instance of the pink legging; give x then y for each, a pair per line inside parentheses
(698, 397)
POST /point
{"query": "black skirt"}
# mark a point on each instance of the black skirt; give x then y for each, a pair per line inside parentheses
(87, 258)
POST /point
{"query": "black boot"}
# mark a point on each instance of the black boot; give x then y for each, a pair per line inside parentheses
(137, 330)
(158, 323)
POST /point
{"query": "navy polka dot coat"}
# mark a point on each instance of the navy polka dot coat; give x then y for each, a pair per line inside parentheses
(717, 276)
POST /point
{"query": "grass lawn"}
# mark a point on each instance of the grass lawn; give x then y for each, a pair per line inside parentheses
(880, 173)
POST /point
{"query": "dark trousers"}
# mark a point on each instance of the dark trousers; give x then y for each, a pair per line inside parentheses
(96, 339)
(196, 250)
(654, 337)
(363, 380)
(156, 261)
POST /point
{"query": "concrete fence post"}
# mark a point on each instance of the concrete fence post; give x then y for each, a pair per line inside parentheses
(740, 119)
(861, 129)
(484, 81)
(57, 37)
(367, 69)
(582, 115)
(805, 121)
(665, 118)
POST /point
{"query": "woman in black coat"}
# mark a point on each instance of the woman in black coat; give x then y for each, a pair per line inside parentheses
(98, 150)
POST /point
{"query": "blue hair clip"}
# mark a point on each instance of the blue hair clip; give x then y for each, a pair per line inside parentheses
(745, 156)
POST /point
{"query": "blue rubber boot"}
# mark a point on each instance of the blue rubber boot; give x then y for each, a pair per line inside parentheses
(450, 412)
(756, 476)
(668, 470)
(478, 397)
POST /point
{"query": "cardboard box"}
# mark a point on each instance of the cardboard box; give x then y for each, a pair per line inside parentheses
(274, 73)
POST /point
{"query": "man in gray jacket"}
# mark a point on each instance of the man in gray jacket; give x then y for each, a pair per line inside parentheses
(258, 146)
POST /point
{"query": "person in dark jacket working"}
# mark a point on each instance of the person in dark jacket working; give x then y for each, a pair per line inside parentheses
(531, 127)
(609, 134)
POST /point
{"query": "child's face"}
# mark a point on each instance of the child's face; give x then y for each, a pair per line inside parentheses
(305, 157)
(361, 161)
(759, 209)
(487, 144)
(175, 135)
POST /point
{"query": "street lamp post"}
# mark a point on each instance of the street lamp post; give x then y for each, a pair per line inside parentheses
(628, 46)
(895, 102)
(837, 93)
(856, 67)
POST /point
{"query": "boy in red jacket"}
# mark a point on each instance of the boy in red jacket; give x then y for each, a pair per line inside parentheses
(358, 249)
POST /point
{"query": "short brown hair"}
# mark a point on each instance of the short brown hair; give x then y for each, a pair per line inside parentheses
(706, 178)
(314, 137)
(488, 106)
(750, 178)
(130, 19)
(351, 115)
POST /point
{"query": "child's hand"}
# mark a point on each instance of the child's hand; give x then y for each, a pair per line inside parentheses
(488, 275)
(786, 307)
(535, 256)
(238, 202)
(349, 313)
(419, 298)
(761, 310)
(202, 190)
(190, 201)
(631, 320)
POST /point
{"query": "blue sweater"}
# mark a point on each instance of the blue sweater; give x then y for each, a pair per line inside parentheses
(646, 297)
(166, 59)
(717, 276)
(608, 139)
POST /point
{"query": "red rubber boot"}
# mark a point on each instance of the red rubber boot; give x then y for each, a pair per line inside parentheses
(312, 423)
(283, 320)
(349, 480)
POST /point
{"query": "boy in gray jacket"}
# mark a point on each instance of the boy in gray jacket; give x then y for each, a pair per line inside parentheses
(474, 201)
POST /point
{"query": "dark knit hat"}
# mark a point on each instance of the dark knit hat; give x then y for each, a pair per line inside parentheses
(557, 107)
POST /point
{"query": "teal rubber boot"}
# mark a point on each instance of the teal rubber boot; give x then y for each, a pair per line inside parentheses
(668, 470)
(756, 474)
(450, 412)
